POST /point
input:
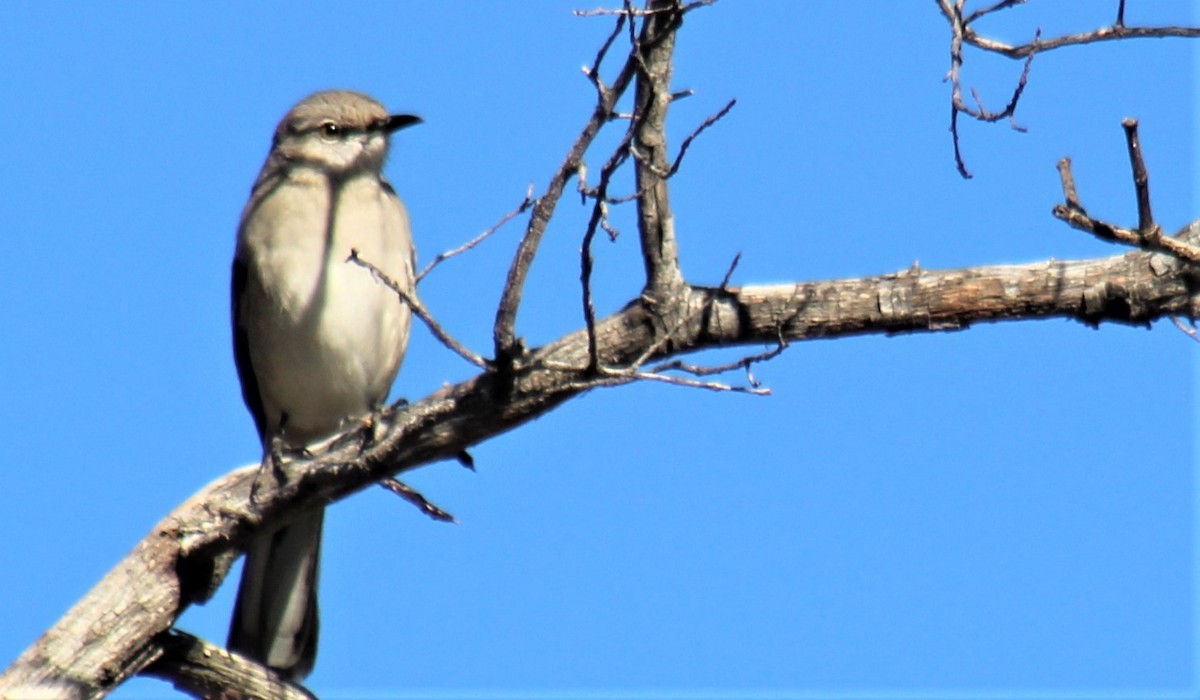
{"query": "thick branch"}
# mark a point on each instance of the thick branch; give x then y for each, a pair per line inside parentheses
(656, 224)
(105, 637)
(201, 669)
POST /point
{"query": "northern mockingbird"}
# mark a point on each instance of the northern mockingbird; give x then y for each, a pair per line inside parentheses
(317, 341)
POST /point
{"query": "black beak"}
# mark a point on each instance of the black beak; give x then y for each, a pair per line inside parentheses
(397, 122)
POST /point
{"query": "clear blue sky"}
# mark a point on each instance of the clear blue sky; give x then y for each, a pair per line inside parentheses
(1004, 512)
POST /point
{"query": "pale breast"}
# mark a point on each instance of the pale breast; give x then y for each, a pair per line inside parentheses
(326, 337)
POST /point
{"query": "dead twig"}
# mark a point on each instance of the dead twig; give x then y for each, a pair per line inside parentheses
(686, 382)
(504, 329)
(593, 73)
(699, 130)
(963, 32)
(1141, 179)
(742, 363)
(421, 312)
(599, 219)
(1070, 195)
(628, 11)
(958, 106)
(442, 257)
(1002, 5)
(1112, 33)
(414, 497)
(729, 273)
(1117, 31)
(1148, 234)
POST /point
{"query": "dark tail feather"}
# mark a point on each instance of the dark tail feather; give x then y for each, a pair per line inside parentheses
(275, 616)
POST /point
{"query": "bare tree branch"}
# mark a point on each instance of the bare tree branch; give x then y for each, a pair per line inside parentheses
(687, 142)
(414, 497)
(204, 670)
(628, 11)
(420, 312)
(963, 32)
(656, 224)
(442, 257)
(599, 218)
(1141, 179)
(1114, 32)
(179, 563)
(1148, 235)
(504, 329)
(124, 625)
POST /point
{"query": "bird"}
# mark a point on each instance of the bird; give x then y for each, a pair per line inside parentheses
(317, 341)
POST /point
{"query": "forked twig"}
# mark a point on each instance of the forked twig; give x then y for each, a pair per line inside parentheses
(1148, 234)
(743, 363)
(963, 32)
(504, 335)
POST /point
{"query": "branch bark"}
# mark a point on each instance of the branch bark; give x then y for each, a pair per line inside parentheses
(656, 224)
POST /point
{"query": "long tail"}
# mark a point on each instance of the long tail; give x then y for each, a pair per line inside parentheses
(275, 616)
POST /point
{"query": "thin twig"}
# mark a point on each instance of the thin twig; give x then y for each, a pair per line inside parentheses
(1141, 179)
(729, 273)
(593, 73)
(1002, 5)
(699, 130)
(504, 329)
(414, 497)
(741, 363)
(1118, 31)
(442, 257)
(962, 32)
(979, 112)
(421, 312)
(1148, 235)
(1070, 195)
(585, 279)
(628, 11)
(1113, 33)
(694, 383)
(598, 219)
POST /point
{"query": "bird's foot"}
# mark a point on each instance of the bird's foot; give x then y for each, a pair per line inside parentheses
(271, 466)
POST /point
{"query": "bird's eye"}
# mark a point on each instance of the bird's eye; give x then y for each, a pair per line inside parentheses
(330, 130)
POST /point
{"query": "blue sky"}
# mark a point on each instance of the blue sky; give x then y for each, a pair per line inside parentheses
(1003, 512)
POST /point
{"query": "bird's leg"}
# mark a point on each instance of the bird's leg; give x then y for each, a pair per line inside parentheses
(375, 422)
(270, 465)
(274, 453)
